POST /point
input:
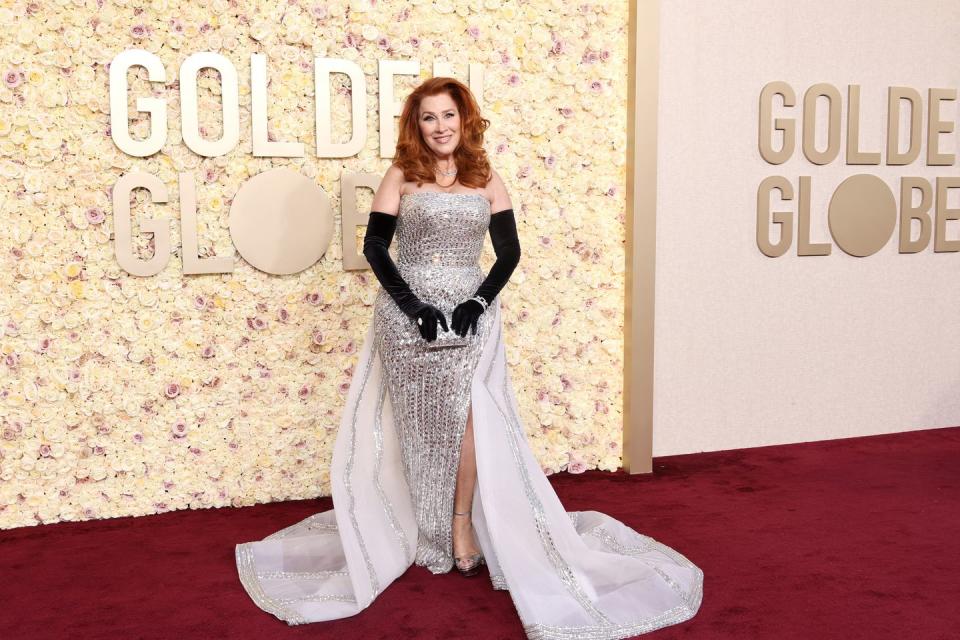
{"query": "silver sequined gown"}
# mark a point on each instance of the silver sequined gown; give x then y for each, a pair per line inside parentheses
(571, 575)
(439, 242)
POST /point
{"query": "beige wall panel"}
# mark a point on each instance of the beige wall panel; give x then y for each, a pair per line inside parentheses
(754, 350)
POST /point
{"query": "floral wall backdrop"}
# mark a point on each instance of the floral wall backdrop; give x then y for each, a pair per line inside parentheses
(124, 395)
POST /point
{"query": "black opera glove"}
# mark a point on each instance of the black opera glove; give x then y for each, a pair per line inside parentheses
(376, 242)
(465, 316)
(506, 245)
(427, 320)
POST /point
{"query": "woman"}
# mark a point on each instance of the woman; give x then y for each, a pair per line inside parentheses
(431, 465)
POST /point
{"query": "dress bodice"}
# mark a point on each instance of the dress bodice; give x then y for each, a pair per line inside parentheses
(438, 228)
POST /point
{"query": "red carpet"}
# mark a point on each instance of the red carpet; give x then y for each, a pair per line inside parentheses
(853, 539)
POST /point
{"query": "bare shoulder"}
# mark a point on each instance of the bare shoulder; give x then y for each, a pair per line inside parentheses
(394, 177)
(497, 190)
(387, 198)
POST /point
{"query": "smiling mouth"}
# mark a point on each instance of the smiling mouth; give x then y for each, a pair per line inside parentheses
(444, 139)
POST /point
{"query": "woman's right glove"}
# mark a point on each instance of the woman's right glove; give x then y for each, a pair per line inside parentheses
(376, 242)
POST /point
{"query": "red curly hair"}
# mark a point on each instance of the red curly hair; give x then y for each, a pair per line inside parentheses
(415, 158)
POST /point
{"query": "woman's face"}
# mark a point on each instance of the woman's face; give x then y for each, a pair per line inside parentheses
(440, 123)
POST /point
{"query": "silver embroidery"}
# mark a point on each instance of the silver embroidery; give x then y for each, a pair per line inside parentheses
(309, 524)
(515, 436)
(318, 598)
(378, 440)
(317, 575)
(649, 544)
(611, 543)
(347, 480)
(439, 244)
(430, 392)
(280, 607)
(615, 631)
(248, 578)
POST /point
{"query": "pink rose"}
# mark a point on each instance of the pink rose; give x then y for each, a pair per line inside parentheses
(256, 323)
(577, 466)
(95, 215)
(12, 78)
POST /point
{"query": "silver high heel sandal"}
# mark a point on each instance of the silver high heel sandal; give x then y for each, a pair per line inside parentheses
(475, 560)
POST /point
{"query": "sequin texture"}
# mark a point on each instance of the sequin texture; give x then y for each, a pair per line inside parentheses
(571, 575)
(439, 242)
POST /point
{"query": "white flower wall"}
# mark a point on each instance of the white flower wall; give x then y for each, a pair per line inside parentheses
(123, 395)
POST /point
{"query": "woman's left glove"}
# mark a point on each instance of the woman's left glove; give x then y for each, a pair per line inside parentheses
(506, 245)
(465, 317)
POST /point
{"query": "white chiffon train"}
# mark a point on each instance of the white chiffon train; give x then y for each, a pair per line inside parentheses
(571, 575)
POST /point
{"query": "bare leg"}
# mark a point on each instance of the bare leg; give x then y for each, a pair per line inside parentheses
(464, 544)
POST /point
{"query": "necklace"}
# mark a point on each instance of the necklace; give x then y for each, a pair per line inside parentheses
(446, 174)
